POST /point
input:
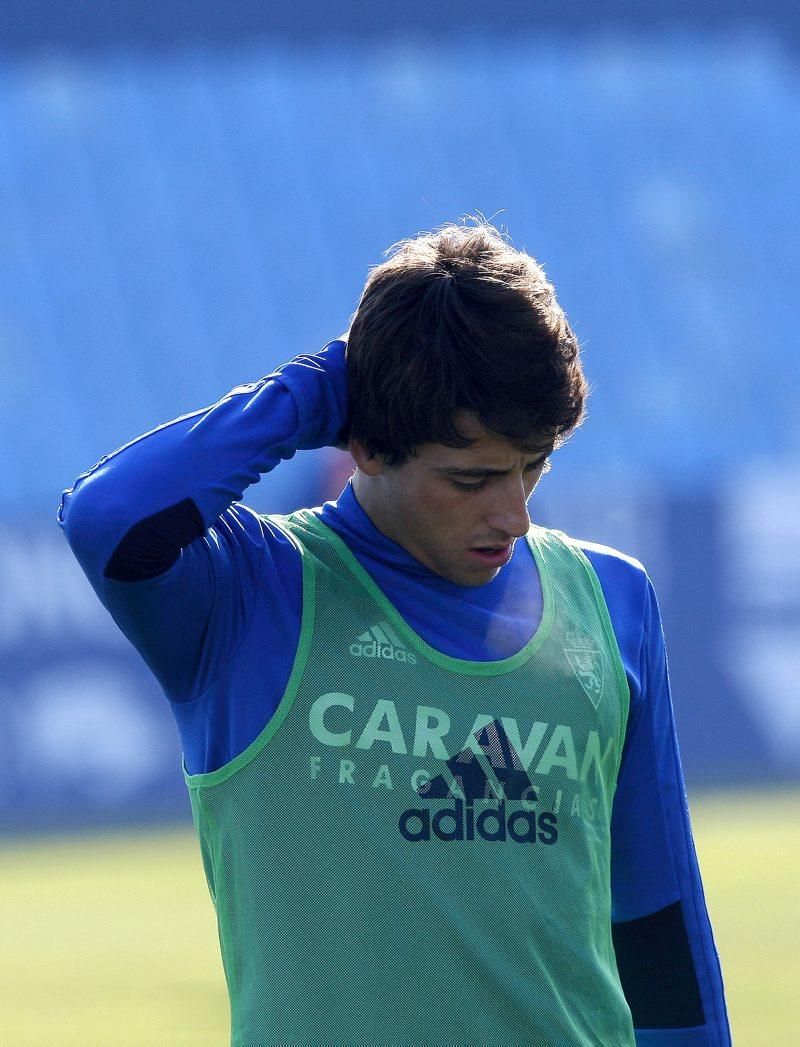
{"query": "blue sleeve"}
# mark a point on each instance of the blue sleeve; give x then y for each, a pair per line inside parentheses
(188, 620)
(666, 955)
(210, 456)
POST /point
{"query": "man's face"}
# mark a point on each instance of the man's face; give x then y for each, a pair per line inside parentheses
(456, 510)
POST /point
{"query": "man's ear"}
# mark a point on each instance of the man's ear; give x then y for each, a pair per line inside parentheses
(369, 464)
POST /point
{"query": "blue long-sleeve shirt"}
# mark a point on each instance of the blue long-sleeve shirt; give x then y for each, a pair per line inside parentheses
(186, 571)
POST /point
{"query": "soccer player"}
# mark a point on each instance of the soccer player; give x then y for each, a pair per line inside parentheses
(429, 746)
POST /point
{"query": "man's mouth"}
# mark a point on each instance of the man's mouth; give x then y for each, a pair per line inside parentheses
(492, 555)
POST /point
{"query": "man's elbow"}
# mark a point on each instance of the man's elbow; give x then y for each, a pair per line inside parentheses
(87, 516)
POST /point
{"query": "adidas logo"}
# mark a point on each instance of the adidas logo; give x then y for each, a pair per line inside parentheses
(381, 641)
(470, 783)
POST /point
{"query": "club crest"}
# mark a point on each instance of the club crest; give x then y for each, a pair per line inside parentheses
(589, 667)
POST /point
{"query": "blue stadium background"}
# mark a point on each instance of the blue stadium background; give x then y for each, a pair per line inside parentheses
(190, 195)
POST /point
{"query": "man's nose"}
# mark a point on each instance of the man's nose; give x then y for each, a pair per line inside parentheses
(509, 513)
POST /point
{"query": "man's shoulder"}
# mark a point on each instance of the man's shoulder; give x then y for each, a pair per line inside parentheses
(313, 540)
(619, 573)
(597, 553)
(626, 590)
(612, 558)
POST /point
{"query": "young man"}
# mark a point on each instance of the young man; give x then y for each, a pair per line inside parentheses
(429, 746)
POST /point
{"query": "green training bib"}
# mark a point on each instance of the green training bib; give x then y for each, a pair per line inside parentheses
(416, 848)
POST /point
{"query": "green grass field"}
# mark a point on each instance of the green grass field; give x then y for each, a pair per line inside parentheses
(111, 940)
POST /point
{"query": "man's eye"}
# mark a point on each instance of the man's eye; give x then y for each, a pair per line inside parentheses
(468, 487)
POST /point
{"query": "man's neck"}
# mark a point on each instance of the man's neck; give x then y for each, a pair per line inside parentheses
(368, 495)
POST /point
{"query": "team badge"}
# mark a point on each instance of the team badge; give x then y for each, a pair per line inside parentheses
(588, 665)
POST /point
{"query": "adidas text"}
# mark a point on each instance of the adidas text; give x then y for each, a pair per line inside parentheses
(373, 649)
(491, 824)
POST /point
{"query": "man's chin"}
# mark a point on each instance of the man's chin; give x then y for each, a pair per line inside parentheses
(477, 583)
(468, 570)
(472, 575)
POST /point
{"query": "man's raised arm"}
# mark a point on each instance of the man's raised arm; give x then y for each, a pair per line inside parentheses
(154, 527)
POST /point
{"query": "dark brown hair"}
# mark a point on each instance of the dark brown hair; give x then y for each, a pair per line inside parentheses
(458, 319)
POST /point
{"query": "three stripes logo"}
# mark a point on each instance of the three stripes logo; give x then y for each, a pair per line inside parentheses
(381, 641)
(490, 770)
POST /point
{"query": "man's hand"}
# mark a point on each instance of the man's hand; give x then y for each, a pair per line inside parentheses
(318, 384)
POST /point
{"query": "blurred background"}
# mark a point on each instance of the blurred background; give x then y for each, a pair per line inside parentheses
(191, 194)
